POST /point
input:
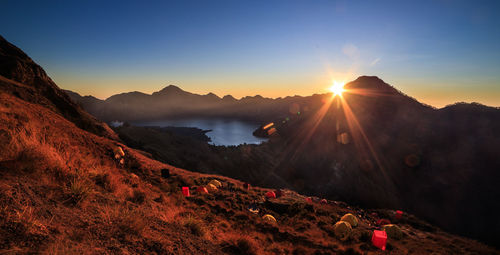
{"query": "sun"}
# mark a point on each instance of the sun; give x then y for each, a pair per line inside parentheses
(337, 88)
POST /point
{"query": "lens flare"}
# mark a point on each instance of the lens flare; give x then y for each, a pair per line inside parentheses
(337, 88)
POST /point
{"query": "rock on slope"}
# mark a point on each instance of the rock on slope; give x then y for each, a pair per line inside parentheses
(62, 192)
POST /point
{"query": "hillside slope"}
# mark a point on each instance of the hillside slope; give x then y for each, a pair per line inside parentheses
(66, 190)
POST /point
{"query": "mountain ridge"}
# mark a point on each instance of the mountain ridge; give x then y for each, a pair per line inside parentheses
(173, 102)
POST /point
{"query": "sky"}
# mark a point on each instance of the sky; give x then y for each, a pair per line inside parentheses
(439, 52)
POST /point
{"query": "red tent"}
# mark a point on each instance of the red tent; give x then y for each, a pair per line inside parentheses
(309, 199)
(323, 201)
(185, 191)
(270, 194)
(202, 190)
(398, 214)
(379, 239)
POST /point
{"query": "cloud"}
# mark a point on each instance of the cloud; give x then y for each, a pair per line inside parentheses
(350, 50)
(375, 61)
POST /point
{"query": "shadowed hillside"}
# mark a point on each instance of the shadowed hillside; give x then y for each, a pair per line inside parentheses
(398, 153)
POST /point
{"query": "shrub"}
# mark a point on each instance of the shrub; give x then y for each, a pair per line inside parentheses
(78, 190)
(194, 225)
(131, 221)
(123, 221)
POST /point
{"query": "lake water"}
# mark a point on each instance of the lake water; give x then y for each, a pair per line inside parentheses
(224, 132)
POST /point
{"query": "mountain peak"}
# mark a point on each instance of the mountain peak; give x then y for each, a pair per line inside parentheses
(212, 95)
(170, 89)
(228, 98)
(371, 83)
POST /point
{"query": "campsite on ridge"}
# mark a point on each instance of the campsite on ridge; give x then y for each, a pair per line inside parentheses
(249, 127)
(69, 185)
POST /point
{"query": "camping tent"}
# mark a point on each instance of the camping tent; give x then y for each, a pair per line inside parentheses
(269, 217)
(393, 231)
(202, 190)
(216, 183)
(379, 239)
(165, 173)
(119, 152)
(342, 230)
(270, 194)
(185, 191)
(253, 208)
(211, 187)
(351, 219)
(398, 215)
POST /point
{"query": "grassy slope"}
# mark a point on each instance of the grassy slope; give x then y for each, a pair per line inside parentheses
(61, 191)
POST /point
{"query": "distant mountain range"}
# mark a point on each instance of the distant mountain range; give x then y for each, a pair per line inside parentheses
(172, 102)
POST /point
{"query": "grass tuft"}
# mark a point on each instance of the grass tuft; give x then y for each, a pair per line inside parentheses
(78, 190)
(194, 225)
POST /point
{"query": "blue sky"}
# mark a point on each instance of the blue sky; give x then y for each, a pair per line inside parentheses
(439, 52)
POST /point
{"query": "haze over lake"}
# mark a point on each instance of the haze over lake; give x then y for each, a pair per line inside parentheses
(223, 131)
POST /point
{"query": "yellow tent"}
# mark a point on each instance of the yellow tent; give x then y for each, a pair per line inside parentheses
(269, 218)
(216, 183)
(351, 219)
(342, 230)
(211, 187)
(119, 152)
(343, 138)
(393, 231)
